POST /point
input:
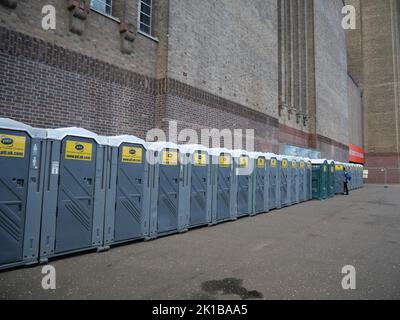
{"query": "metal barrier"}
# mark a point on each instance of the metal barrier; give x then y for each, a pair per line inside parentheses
(382, 175)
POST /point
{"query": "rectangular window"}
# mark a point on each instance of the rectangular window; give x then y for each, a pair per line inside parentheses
(145, 11)
(104, 6)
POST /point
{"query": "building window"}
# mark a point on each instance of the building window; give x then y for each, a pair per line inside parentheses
(103, 6)
(145, 11)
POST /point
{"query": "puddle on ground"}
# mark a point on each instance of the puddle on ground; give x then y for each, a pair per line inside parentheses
(230, 286)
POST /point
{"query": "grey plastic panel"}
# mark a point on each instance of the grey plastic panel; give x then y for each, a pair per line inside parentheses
(75, 200)
(34, 200)
(284, 186)
(73, 197)
(224, 177)
(131, 203)
(294, 184)
(168, 208)
(301, 182)
(274, 186)
(261, 187)
(13, 198)
(21, 187)
(243, 195)
(200, 194)
(339, 182)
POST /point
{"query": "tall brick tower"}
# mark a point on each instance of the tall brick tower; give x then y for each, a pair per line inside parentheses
(373, 61)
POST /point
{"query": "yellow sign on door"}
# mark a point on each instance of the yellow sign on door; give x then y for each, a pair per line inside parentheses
(170, 158)
(77, 150)
(339, 167)
(284, 164)
(273, 163)
(12, 146)
(302, 165)
(200, 159)
(224, 161)
(294, 164)
(244, 162)
(325, 169)
(132, 154)
(261, 163)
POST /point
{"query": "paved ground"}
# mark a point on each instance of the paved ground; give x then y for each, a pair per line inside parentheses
(292, 253)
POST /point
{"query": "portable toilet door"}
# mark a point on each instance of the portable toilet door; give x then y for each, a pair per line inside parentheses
(284, 177)
(199, 177)
(351, 172)
(22, 153)
(339, 178)
(302, 180)
(243, 172)
(293, 181)
(273, 165)
(309, 180)
(319, 179)
(168, 190)
(260, 183)
(127, 211)
(224, 186)
(74, 192)
(331, 179)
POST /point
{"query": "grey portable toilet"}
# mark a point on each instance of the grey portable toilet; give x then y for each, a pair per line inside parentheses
(198, 173)
(284, 178)
(260, 182)
(293, 181)
(274, 186)
(302, 180)
(74, 192)
(22, 153)
(127, 211)
(224, 186)
(244, 167)
(308, 179)
(168, 189)
(339, 178)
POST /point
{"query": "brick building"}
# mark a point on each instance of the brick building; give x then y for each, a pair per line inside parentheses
(373, 61)
(126, 66)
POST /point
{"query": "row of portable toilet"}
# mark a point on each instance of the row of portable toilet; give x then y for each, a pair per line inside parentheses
(356, 173)
(69, 190)
(328, 178)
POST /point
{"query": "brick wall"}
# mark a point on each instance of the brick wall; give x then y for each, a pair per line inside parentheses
(48, 86)
(100, 39)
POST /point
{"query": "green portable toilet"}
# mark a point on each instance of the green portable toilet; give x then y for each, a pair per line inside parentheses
(339, 178)
(260, 182)
(22, 153)
(331, 179)
(319, 179)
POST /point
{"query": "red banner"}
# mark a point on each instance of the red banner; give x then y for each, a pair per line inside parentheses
(356, 154)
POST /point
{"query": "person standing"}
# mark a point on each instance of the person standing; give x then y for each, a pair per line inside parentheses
(347, 178)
